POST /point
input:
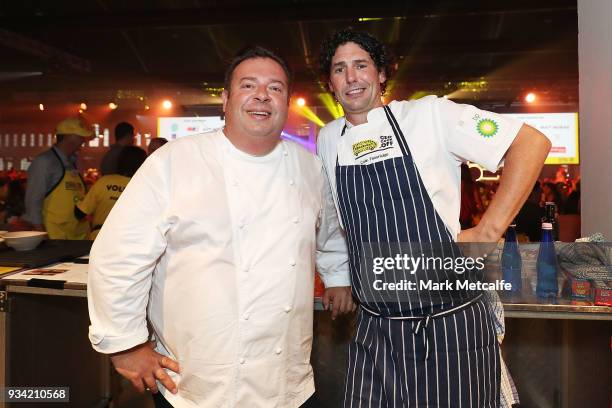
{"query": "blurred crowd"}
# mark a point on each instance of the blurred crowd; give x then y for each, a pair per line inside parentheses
(562, 190)
(52, 196)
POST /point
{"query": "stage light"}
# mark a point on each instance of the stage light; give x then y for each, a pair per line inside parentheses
(147, 107)
(41, 106)
(83, 106)
(300, 101)
(112, 106)
(166, 104)
(530, 97)
(332, 106)
(306, 112)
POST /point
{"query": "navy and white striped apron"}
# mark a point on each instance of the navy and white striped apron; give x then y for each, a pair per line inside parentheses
(428, 351)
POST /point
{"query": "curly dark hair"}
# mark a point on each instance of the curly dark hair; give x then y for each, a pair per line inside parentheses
(256, 51)
(378, 52)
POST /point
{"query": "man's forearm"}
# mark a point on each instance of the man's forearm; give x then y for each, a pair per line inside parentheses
(522, 165)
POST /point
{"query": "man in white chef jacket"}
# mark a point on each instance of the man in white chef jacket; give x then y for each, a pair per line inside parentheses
(213, 242)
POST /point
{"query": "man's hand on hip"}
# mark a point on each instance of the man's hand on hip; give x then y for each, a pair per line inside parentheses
(339, 300)
(142, 365)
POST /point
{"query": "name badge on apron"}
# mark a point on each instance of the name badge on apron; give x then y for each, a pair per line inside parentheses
(365, 144)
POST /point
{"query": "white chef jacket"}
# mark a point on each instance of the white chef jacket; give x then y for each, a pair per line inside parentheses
(441, 135)
(224, 276)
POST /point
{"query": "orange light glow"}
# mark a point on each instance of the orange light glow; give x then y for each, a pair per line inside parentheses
(530, 97)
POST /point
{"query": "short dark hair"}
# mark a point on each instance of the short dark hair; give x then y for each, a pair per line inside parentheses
(378, 52)
(123, 130)
(130, 159)
(256, 51)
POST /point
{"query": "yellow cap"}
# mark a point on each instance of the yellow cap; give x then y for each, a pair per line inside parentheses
(73, 126)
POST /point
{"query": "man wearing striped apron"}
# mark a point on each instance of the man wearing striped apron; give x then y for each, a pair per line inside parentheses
(394, 173)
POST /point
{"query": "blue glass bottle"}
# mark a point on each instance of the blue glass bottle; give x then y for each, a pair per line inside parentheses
(511, 263)
(547, 264)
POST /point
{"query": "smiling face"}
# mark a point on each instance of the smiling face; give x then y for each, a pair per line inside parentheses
(355, 80)
(257, 102)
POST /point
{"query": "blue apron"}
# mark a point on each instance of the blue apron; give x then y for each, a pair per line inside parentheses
(438, 350)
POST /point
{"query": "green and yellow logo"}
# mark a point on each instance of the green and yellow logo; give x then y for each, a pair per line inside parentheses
(487, 127)
(363, 146)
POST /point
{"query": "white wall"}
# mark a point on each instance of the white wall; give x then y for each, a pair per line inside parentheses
(595, 70)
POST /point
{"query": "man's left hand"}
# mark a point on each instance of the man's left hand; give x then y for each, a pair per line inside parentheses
(339, 300)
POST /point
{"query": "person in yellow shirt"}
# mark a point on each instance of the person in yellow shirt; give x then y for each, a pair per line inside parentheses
(103, 195)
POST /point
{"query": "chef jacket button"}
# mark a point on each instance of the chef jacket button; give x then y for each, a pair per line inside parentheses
(278, 350)
(292, 262)
(296, 220)
(291, 182)
(235, 183)
(245, 269)
(246, 316)
(287, 309)
(241, 225)
(242, 360)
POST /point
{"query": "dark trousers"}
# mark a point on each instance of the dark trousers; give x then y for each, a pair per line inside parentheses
(160, 401)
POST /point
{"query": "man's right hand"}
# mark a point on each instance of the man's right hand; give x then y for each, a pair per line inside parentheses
(142, 365)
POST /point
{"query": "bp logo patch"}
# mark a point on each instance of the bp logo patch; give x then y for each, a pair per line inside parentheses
(487, 127)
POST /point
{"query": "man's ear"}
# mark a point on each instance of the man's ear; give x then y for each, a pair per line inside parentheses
(382, 77)
(331, 90)
(224, 97)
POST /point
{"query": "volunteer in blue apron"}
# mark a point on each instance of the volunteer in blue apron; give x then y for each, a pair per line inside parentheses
(55, 185)
(395, 174)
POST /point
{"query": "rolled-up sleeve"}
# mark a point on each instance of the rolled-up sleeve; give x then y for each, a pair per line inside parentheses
(332, 251)
(123, 258)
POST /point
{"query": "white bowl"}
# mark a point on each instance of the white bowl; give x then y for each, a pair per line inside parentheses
(24, 240)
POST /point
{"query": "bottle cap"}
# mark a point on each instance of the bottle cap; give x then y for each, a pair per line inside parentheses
(546, 225)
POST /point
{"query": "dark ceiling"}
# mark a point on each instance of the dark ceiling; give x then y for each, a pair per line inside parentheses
(492, 51)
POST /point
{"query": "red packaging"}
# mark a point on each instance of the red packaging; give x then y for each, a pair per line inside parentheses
(603, 293)
(581, 289)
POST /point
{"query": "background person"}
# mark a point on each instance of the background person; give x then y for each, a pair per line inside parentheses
(124, 136)
(103, 195)
(54, 184)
